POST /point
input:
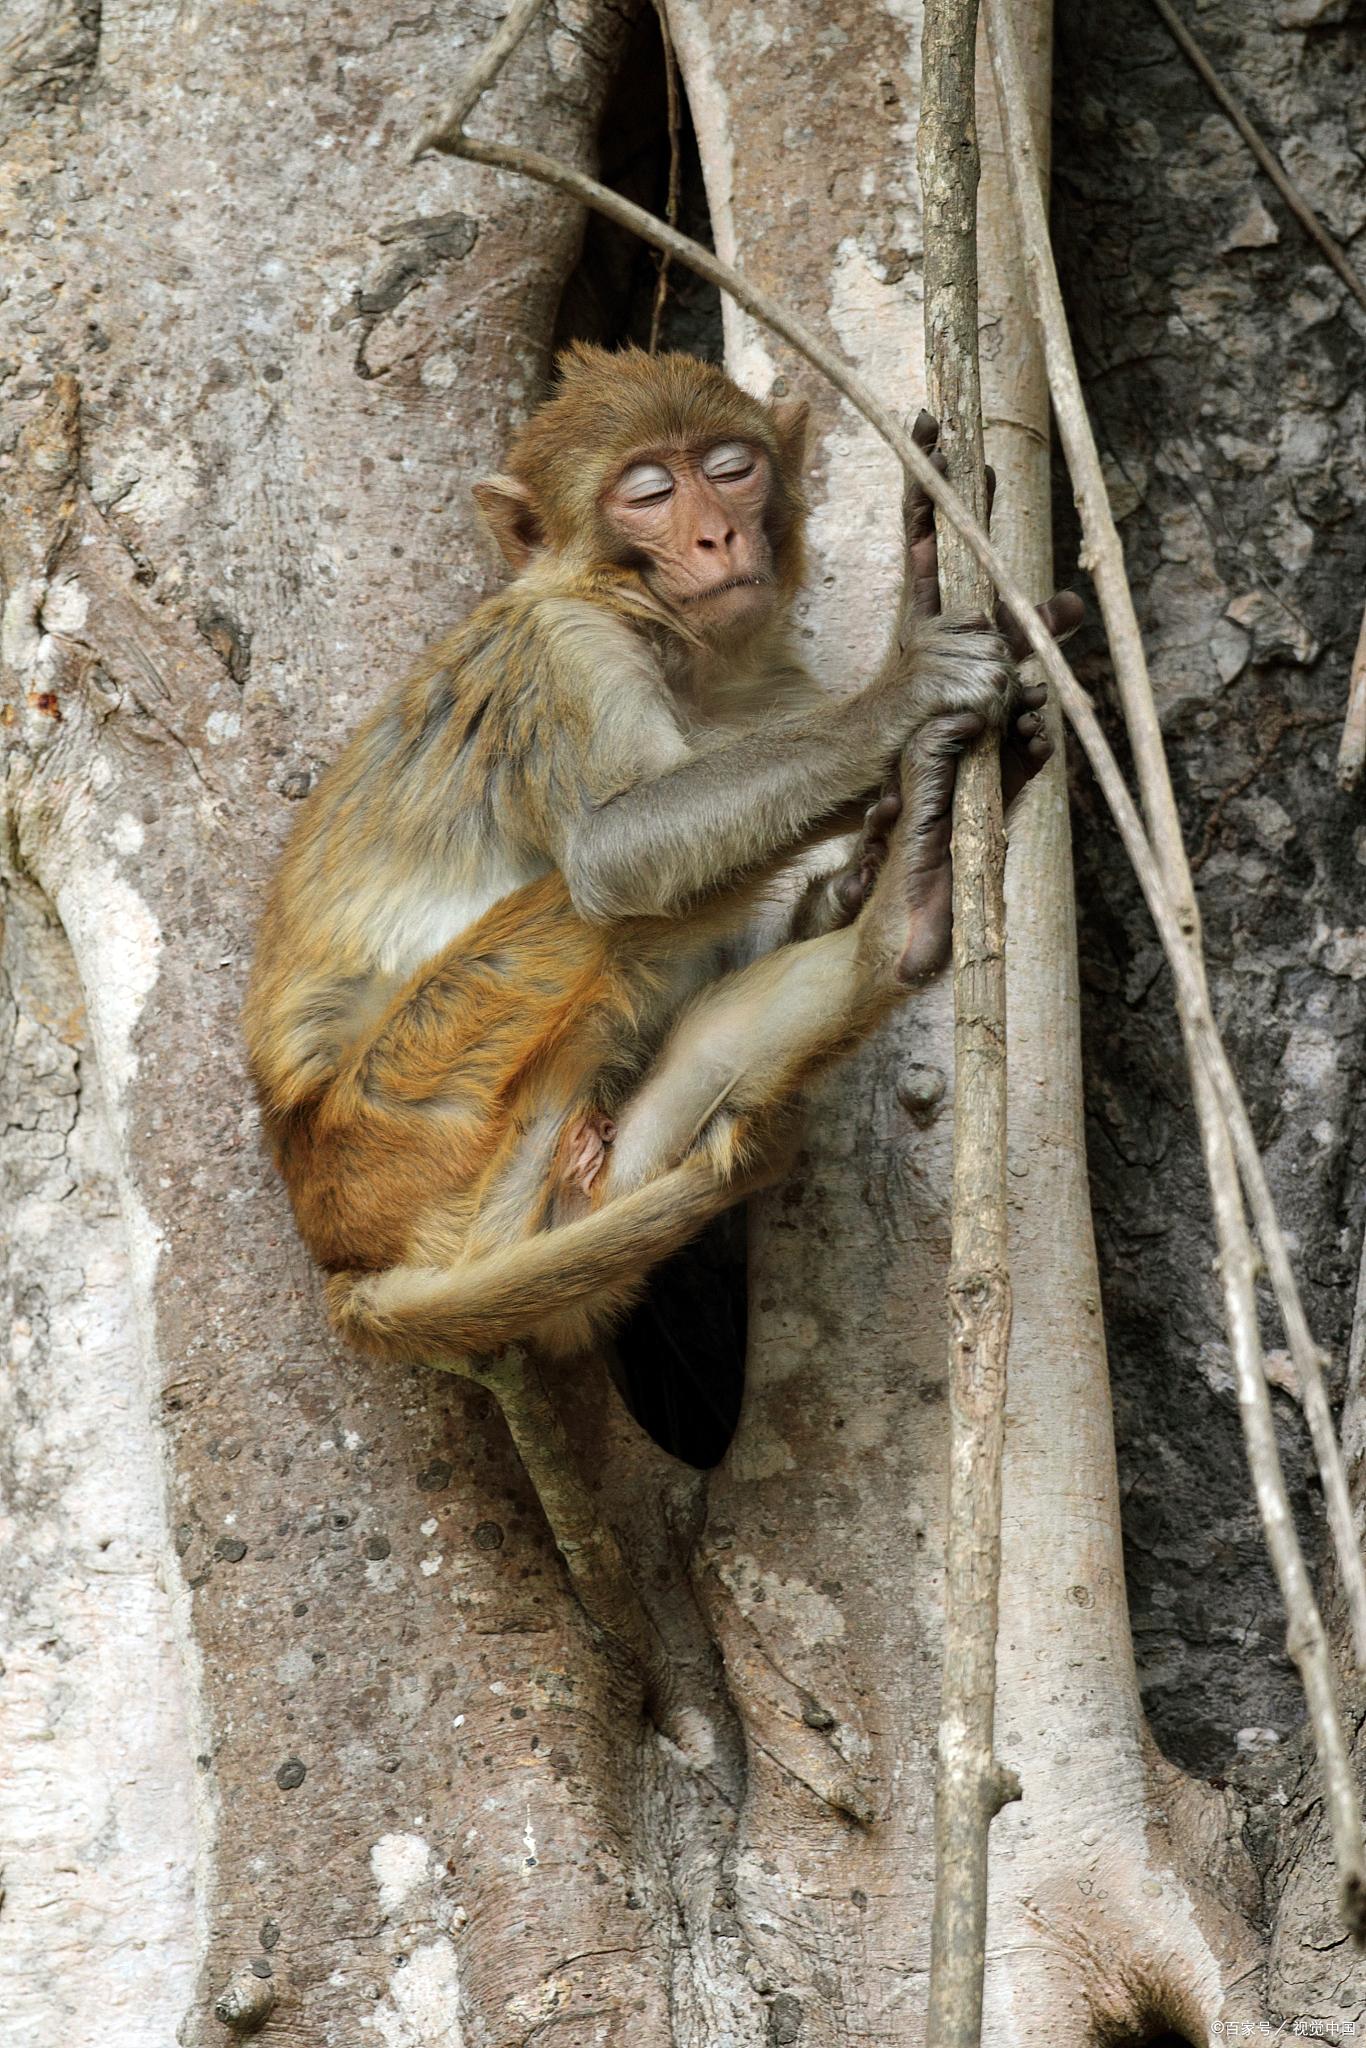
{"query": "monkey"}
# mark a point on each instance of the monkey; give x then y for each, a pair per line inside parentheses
(505, 1058)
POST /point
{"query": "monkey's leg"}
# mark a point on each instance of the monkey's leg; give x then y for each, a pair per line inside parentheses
(446, 1127)
(740, 1052)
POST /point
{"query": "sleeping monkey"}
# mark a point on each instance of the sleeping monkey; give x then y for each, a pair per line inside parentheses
(504, 1062)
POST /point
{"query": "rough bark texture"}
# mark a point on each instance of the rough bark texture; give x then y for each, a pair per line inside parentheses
(1226, 380)
(292, 355)
(1226, 365)
(337, 1660)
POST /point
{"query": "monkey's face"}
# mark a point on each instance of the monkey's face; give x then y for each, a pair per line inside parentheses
(694, 518)
(661, 465)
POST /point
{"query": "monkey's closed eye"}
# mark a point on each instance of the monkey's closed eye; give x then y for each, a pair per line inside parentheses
(732, 459)
(646, 483)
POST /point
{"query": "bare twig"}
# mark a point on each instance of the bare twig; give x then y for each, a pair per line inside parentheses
(1354, 1399)
(477, 80)
(1271, 164)
(675, 121)
(970, 1787)
(1352, 751)
(1220, 1111)
(1174, 928)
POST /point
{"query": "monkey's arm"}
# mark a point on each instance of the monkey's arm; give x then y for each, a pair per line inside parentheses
(835, 897)
(741, 805)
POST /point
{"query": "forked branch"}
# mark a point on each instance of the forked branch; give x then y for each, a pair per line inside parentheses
(462, 102)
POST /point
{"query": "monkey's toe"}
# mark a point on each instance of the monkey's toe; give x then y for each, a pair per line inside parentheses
(1025, 752)
(931, 927)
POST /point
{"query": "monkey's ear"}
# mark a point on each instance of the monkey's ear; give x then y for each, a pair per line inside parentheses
(790, 416)
(512, 518)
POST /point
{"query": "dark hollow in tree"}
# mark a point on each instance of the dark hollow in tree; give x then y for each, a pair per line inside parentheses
(678, 1359)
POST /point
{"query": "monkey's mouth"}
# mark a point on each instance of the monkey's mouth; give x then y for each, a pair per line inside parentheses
(734, 583)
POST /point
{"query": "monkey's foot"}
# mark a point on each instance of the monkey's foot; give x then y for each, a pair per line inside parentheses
(919, 847)
(853, 888)
(919, 866)
(585, 1149)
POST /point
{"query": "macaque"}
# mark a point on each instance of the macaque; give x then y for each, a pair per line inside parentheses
(505, 1057)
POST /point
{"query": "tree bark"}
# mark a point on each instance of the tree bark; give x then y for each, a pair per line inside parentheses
(292, 357)
(295, 1620)
(852, 1344)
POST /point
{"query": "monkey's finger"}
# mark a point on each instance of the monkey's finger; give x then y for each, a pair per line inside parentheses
(924, 584)
(1060, 616)
(925, 434)
(917, 506)
(884, 813)
(1023, 754)
(1062, 613)
(1033, 696)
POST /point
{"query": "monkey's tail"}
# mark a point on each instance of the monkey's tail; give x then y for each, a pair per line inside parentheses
(596, 1263)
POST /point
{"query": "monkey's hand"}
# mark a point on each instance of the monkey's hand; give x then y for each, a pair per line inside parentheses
(1061, 614)
(1025, 747)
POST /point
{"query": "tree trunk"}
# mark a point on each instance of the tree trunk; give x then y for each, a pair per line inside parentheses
(1225, 371)
(1100, 1916)
(293, 1621)
(291, 356)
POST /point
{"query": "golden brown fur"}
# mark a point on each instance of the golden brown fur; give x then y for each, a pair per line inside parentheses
(648, 400)
(497, 925)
